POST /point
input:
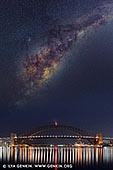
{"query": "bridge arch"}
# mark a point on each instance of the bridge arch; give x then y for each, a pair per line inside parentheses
(64, 128)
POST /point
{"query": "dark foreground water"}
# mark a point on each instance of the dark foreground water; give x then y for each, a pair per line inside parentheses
(56, 157)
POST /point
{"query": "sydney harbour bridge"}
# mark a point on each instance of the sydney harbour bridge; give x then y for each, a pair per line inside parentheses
(56, 145)
(58, 132)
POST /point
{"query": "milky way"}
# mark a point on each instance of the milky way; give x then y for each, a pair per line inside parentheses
(38, 68)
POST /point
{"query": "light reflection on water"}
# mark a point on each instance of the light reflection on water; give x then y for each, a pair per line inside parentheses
(57, 155)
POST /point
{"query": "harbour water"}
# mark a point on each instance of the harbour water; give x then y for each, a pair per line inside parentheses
(57, 157)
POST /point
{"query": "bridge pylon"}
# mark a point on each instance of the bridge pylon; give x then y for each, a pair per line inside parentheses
(99, 139)
(12, 137)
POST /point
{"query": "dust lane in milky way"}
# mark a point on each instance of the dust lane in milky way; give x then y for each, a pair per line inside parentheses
(39, 67)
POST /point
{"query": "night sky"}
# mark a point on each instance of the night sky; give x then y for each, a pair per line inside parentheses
(79, 93)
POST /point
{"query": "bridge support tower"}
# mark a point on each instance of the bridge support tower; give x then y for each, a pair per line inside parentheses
(99, 139)
(13, 137)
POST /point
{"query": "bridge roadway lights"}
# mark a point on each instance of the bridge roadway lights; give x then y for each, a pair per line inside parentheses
(22, 139)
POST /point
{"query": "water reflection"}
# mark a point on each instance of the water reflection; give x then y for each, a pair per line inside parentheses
(57, 155)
